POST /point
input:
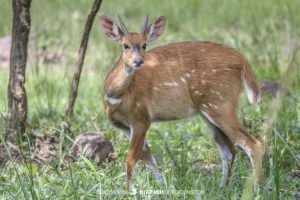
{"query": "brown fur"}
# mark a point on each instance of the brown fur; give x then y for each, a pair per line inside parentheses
(176, 81)
(176, 72)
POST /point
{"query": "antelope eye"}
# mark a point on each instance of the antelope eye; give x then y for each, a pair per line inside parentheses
(144, 46)
(125, 46)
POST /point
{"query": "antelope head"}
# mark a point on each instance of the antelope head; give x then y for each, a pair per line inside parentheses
(133, 44)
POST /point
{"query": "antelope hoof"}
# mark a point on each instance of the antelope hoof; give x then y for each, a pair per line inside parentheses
(127, 186)
(159, 179)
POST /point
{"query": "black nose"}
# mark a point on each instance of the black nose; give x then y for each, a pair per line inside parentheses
(138, 62)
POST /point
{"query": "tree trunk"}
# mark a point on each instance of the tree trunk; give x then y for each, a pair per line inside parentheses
(79, 64)
(16, 94)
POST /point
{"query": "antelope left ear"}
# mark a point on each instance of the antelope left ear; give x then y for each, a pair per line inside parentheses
(110, 28)
(156, 29)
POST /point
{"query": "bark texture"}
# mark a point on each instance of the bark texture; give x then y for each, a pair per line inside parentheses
(79, 63)
(16, 94)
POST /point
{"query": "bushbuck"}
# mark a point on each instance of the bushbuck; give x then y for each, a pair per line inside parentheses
(176, 81)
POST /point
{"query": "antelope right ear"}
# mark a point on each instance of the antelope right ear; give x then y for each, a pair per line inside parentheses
(110, 28)
(156, 29)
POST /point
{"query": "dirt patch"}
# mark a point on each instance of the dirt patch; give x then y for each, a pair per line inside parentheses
(93, 145)
(271, 88)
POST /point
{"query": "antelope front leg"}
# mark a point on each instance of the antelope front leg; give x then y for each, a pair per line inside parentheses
(135, 148)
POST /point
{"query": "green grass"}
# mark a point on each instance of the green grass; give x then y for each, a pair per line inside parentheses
(258, 29)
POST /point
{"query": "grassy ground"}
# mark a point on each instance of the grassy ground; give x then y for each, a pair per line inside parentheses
(264, 31)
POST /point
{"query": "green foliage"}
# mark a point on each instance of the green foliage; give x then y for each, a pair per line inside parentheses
(264, 31)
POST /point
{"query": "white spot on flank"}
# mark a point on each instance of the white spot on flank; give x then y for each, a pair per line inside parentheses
(138, 104)
(113, 101)
(183, 80)
(213, 105)
(212, 91)
(203, 81)
(192, 87)
(188, 75)
(175, 83)
(198, 93)
(203, 50)
(155, 88)
(220, 96)
(168, 84)
(205, 106)
(214, 70)
(217, 93)
(193, 71)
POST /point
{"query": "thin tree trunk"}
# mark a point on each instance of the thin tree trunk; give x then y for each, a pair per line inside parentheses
(79, 63)
(17, 100)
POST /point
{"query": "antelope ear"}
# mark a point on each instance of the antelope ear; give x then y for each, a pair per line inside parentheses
(156, 29)
(110, 28)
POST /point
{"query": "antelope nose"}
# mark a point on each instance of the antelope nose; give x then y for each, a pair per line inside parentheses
(138, 62)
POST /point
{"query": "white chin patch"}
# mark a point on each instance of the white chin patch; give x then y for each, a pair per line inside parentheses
(113, 101)
(129, 70)
(133, 66)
